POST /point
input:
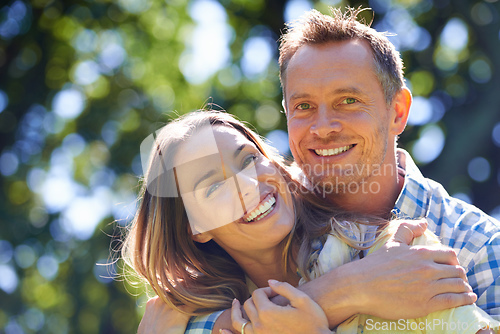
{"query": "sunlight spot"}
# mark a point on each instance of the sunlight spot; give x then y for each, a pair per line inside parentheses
(86, 72)
(9, 280)
(279, 139)
(68, 103)
(479, 169)
(430, 144)
(420, 111)
(295, 9)
(8, 163)
(207, 50)
(4, 100)
(257, 53)
(455, 35)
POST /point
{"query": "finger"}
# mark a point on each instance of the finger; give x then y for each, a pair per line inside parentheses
(452, 285)
(237, 319)
(450, 271)
(296, 297)
(251, 310)
(451, 300)
(225, 331)
(261, 298)
(441, 255)
(418, 227)
(408, 230)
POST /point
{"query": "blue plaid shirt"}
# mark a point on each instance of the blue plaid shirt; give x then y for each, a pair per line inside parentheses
(472, 233)
(202, 324)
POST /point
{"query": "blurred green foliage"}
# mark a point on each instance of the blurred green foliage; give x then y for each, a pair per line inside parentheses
(83, 82)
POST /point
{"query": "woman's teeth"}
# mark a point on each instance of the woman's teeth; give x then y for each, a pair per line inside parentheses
(332, 151)
(263, 210)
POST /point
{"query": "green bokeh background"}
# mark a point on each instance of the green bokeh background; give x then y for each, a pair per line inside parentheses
(83, 82)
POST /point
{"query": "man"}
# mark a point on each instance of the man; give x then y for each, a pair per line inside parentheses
(346, 103)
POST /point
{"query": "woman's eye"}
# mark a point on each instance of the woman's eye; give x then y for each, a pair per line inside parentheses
(349, 100)
(248, 160)
(304, 106)
(213, 188)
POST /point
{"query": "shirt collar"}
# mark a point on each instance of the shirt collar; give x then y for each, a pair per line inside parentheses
(414, 199)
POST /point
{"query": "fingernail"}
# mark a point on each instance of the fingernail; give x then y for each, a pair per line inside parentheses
(272, 282)
(234, 301)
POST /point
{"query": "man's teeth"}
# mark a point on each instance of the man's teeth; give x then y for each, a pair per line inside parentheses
(332, 151)
(263, 210)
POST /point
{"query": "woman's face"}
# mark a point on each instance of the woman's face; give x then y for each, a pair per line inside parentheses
(232, 193)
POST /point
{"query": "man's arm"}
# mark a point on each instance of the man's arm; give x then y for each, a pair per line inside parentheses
(395, 282)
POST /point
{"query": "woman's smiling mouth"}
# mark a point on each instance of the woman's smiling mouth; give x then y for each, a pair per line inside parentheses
(261, 211)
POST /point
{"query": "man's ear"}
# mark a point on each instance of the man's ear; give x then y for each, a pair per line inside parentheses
(283, 104)
(202, 237)
(401, 107)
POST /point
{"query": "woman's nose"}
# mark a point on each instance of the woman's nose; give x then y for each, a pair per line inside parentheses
(248, 182)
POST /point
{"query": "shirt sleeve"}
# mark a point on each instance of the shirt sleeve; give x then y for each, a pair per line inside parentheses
(202, 324)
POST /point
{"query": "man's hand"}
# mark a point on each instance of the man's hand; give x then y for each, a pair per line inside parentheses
(410, 282)
(396, 281)
(161, 319)
(302, 315)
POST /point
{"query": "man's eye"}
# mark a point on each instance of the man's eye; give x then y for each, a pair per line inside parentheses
(304, 106)
(349, 100)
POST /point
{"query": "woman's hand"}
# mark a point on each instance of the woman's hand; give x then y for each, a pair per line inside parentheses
(159, 318)
(302, 315)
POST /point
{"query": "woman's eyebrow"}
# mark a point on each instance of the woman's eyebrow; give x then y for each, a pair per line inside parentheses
(238, 150)
(241, 148)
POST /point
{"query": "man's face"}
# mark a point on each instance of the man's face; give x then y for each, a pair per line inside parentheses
(338, 120)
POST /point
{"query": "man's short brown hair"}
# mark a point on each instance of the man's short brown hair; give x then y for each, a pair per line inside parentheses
(316, 28)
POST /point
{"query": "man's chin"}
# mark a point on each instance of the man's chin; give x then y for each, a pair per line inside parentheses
(323, 184)
(335, 185)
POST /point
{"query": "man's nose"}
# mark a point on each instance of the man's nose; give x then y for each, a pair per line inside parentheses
(326, 122)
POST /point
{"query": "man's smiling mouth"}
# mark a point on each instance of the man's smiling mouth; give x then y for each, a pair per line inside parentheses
(333, 151)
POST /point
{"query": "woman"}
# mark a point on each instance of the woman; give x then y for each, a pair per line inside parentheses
(220, 212)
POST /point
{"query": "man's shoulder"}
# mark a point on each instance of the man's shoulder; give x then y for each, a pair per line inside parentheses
(446, 206)
(432, 199)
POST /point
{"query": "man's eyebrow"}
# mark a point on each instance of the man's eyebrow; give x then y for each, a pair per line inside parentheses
(297, 96)
(343, 90)
(347, 90)
(204, 177)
